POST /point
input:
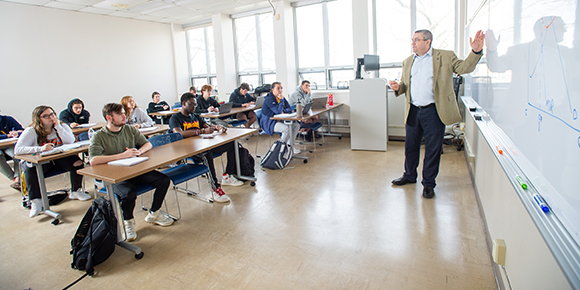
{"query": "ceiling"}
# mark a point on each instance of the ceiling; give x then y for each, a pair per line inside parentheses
(181, 12)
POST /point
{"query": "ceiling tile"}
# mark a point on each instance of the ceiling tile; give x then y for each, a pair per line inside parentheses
(31, 2)
(65, 6)
(97, 10)
(123, 14)
(170, 12)
(82, 2)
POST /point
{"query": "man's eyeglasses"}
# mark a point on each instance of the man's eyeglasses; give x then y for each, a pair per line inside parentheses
(417, 39)
(48, 116)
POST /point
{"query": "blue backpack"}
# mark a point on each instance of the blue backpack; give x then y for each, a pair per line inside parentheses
(278, 156)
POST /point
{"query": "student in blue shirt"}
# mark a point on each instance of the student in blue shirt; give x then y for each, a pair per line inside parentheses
(9, 128)
(275, 104)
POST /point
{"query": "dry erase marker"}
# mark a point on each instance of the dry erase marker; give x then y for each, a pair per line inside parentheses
(522, 183)
(499, 149)
(541, 203)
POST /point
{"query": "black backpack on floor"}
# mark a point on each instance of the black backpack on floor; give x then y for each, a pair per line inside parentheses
(278, 156)
(246, 161)
(95, 238)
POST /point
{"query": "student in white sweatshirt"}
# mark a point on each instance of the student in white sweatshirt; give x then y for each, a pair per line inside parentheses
(135, 115)
(45, 134)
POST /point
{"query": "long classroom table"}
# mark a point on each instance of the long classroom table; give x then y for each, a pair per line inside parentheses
(159, 157)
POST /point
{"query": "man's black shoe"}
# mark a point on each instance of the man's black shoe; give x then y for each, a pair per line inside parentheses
(428, 192)
(402, 181)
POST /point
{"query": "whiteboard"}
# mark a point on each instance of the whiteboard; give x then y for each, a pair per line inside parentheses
(529, 82)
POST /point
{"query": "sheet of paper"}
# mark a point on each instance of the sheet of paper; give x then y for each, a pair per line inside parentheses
(86, 125)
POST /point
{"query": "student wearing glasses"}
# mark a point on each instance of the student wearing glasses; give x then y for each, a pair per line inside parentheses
(275, 104)
(427, 83)
(45, 134)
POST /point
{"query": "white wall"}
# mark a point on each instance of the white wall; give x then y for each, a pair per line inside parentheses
(49, 56)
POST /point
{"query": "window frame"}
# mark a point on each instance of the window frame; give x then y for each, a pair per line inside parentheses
(208, 76)
(327, 69)
(260, 72)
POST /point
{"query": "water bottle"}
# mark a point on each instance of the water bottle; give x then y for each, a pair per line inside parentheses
(298, 110)
(330, 100)
(90, 133)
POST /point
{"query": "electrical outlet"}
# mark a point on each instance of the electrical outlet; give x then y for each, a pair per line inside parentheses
(498, 251)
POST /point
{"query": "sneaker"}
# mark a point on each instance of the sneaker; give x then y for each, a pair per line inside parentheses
(218, 195)
(158, 218)
(35, 207)
(231, 180)
(130, 234)
(79, 194)
(296, 150)
(16, 185)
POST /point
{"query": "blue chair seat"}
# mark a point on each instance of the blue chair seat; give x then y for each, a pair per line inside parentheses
(184, 172)
(141, 189)
(236, 123)
(54, 172)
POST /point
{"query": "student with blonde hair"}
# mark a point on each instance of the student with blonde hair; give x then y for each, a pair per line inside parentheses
(135, 115)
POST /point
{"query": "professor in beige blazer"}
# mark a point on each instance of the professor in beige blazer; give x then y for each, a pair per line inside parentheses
(430, 103)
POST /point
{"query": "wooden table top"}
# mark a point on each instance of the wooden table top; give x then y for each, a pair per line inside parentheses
(232, 112)
(306, 116)
(163, 155)
(4, 143)
(95, 127)
(164, 113)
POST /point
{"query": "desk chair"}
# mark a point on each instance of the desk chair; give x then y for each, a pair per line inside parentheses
(183, 172)
(261, 132)
(313, 127)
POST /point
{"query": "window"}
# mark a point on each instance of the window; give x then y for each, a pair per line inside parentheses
(255, 48)
(393, 30)
(324, 43)
(201, 55)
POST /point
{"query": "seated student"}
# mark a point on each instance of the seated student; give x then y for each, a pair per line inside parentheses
(190, 124)
(135, 115)
(9, 128)
(116, 141)
(157, 105)
(193, 91)
(207, 104)
(45, 133)
(274, 104)
(241, 98)
(303, 96)
(75, 114)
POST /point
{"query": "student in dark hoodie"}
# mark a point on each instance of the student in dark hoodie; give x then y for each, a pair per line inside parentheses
(157, 105)
(207, 104)
(75, 114)
(241, 98)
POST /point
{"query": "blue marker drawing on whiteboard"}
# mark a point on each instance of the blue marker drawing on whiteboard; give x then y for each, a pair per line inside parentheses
(541, 203)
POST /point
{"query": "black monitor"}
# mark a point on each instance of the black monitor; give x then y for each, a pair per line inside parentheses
(370, 62)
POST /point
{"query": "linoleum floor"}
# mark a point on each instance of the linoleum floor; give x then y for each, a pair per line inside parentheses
(333, 223)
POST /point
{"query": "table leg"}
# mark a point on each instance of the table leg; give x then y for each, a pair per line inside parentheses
(293, 136)
(238, 169)
(328, 128)
(120, 242)
(43, 194)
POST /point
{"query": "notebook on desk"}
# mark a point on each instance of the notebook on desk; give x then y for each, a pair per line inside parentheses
(65, 147)
(128, 161)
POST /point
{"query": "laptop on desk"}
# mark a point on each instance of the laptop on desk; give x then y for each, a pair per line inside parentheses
(260, 101)
(306, 109)
(318, 103)
(226, 108)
